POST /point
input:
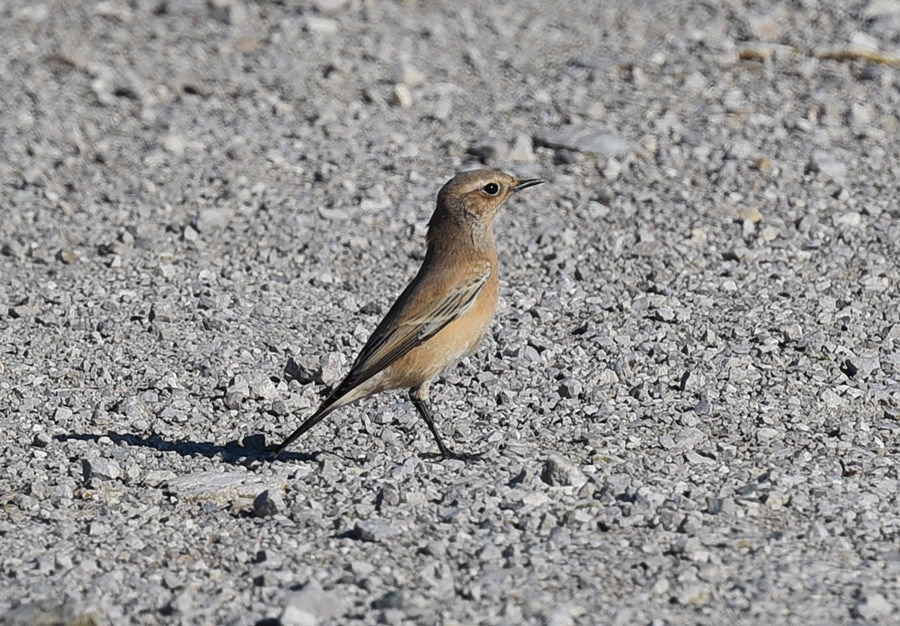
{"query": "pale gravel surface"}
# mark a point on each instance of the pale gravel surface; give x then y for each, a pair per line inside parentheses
(689, 399)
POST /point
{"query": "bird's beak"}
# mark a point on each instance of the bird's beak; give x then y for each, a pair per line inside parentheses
(525, 184)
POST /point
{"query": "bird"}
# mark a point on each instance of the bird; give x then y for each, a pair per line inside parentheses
(444, 312)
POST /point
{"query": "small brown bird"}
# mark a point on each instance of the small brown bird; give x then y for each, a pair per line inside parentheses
(444, 312)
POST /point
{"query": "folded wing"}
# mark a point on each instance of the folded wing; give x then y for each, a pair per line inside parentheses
(392, 340)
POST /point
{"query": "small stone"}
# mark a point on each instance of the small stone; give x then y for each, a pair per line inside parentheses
(571, 388)
(162, 311)
(332, 369)
(221, 487)
(697, 594)
(882, 8)
(560, 472)
(751, 214)
(560, 615)
(374, 530)
(13, 248)
(329, 7)
(864, 364)
(442, 108)
(361, 569)
(402, 96)
(173, 144)
(213, 219)
(389, 496)
(847, 219)
(190, 233)
(764, 27)
(391, 600)
(487, 152)
(792, 332)
(97, 529)
(585, 139)
(314, 601)
(699, 236)
(522, 149)
(104, 469)
(860, 114)
(294, 616)
(302, 369)
(320, 25)
(233, 400)
(716, 506)
(238, 385)
(267, 503)
(261, 386)
(62, 560)
(40, 440)
(181, 602)
(612, 170)
(764, 165)
(872, 606)
(227, 11)
(406, 74)
(828, 164)
(67, 256)
(22, 311)
(864, 41)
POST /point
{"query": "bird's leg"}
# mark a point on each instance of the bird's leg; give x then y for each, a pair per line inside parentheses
(425, 412)
(419, 397)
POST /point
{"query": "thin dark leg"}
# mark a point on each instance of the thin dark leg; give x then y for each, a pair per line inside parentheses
(425, 412)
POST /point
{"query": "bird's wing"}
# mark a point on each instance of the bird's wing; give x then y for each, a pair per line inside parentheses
(391, 340)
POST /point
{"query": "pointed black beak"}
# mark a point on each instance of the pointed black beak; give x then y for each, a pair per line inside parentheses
(525, 184)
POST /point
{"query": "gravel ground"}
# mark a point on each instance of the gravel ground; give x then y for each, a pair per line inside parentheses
(689, 400)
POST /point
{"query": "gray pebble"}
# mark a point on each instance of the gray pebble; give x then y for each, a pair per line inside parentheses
(314, 601)
(560, 472)
(374, 530)
(100, 468)
(222, 487)
(522, 150)
(585, 139)
(261, 386)
(267, 503)
(872, 606)
(827, 163)
(332, 369)
(213, 219)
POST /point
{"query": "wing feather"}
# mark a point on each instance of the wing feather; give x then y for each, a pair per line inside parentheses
(391, 341)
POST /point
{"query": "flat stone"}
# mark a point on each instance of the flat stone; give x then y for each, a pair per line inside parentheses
(585, 139)
(104, 469)
(215, 218)
(828, 164)
(374, 530)
(560, 472)
(314, 601)
(223, 487)
(267, 503)
(872, 606)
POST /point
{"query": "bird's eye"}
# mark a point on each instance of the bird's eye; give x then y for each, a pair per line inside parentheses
(491, 189)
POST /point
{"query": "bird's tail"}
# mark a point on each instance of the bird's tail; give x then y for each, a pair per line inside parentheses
(311, 421)
(338, 398)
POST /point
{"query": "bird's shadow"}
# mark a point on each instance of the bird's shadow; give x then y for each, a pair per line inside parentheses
(248, 451)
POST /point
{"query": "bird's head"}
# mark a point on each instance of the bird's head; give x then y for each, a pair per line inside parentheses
(478, 194)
